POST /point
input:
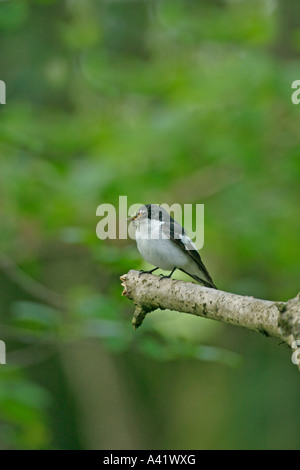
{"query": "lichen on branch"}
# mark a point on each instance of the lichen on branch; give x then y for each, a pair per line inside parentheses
(148, 292)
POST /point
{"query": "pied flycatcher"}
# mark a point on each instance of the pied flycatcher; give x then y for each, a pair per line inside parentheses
(164, 243)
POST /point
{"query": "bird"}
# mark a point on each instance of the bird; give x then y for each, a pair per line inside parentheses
(164, 243)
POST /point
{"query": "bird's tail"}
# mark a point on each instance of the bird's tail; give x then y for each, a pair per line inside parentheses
(201, 281)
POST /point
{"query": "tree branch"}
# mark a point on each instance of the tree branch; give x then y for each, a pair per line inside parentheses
(278, 319)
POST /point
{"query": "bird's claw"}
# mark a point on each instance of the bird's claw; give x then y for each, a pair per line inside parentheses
(147, 272)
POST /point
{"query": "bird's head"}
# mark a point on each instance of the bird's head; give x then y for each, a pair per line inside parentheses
(144, 212)
(150, 211)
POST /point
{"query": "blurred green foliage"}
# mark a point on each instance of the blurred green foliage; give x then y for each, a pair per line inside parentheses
(162, 101)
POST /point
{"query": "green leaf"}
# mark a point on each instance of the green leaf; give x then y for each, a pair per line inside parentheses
(35, 316)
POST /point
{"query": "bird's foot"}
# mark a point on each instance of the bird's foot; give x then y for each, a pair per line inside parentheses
(168, 276)
(147, 272)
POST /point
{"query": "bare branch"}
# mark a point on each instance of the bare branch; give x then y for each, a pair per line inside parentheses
(148, 292)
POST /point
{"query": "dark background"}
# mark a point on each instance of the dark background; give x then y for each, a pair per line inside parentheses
(162, 101)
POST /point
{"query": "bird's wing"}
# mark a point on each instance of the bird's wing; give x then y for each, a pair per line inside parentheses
(177, 234)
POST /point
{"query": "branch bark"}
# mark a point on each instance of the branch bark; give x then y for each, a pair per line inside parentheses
(277, 319)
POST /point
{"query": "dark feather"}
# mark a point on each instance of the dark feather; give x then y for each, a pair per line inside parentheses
(201, 281)
(176, 233)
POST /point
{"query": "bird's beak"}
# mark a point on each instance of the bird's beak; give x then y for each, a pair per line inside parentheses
(131, 218)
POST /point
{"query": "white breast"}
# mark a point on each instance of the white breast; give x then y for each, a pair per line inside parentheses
(157, 249)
